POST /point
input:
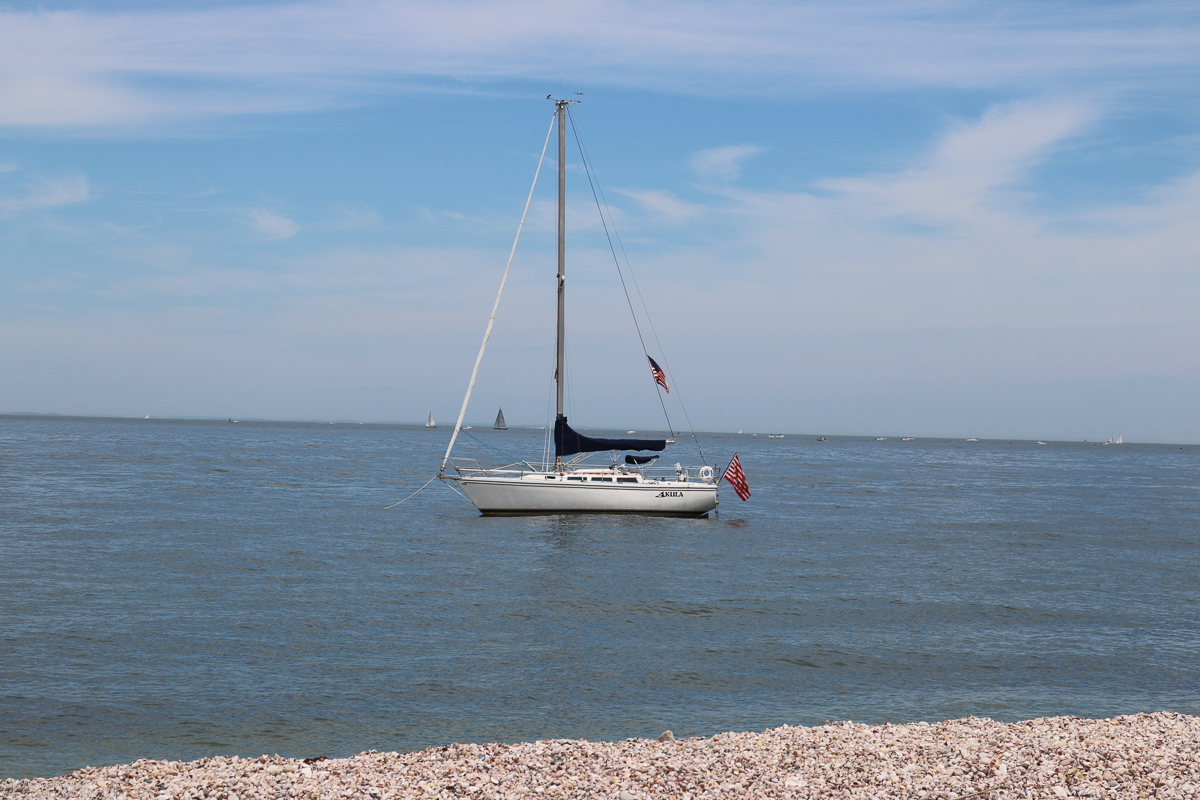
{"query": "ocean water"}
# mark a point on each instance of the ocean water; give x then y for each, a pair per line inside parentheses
(175, 589)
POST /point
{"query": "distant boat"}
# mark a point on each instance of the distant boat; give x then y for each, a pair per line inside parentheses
(774, 435)
(822, 439)
(430, 423)
(231, 419)
(1115, 440)
(881, 438)
(147, 416)
(907, 439)
(1039, 442)
(972, 440)
(500, 426)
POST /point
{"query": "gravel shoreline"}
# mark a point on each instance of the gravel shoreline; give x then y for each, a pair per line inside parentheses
(1134, 756)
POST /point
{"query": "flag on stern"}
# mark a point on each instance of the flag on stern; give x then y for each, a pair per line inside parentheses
(734, 474)
(660, 377)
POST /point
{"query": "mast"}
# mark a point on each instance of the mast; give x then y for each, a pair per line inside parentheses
(561, 114)
(560, 354)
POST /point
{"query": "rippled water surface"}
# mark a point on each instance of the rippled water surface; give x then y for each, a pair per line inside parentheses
(174, 589)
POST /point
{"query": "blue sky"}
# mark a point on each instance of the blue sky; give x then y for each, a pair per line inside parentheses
(922, 218)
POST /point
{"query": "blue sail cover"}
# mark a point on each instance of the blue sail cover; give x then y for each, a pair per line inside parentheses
(567, 442)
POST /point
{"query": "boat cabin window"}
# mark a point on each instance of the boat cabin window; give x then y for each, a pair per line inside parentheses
(570, 478)
(609, 480)
(551, 478)
(627, 480)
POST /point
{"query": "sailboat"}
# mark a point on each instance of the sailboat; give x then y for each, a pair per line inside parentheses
(569, 484)
(430, 423)
(500, 426)
(1114, 440)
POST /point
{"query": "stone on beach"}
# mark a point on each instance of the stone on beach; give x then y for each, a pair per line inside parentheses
(1141, 755)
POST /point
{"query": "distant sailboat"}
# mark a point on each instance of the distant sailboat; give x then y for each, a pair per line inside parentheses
(500, 426)
(430, 423)
(1115, 440)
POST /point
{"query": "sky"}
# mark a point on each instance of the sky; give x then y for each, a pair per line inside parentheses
(879, 218)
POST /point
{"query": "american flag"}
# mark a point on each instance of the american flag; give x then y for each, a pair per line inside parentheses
(734, 474)
(660, 377)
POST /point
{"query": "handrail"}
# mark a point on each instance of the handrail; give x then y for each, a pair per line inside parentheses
(657, 472)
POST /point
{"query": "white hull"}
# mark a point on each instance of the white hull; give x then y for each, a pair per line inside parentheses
(550, 493)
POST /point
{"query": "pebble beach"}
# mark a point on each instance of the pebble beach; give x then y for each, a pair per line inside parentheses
(1134, 756)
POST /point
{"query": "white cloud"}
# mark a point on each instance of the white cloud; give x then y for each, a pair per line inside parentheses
(357, 218)
(45, 193)
(663, 204)
(973, 171)
(986, 266)
(53, 98)
(272, 225)
(723, 163)
(104, 67)
(818, 296)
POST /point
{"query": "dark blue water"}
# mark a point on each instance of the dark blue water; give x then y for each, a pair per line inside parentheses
(179, 589)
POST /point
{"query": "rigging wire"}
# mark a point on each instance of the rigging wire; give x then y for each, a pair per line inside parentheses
(506, 456)
(496, 307)
(649, 319)
(569, 378)
(603, 221)
(452, 488)
(549, 428)
(487, 333)
(598, 196)
(641, 298)
(411, 496)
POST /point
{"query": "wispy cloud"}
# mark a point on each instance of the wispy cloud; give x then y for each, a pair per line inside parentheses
(48, 193)
(960, 239)
(99, 67)
(723, 163)
(975, 168)
(357, 218)
(663, 204)
(272, 225)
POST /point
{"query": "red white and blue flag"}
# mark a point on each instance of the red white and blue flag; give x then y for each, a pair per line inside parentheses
(660, 377)
(734, 474)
